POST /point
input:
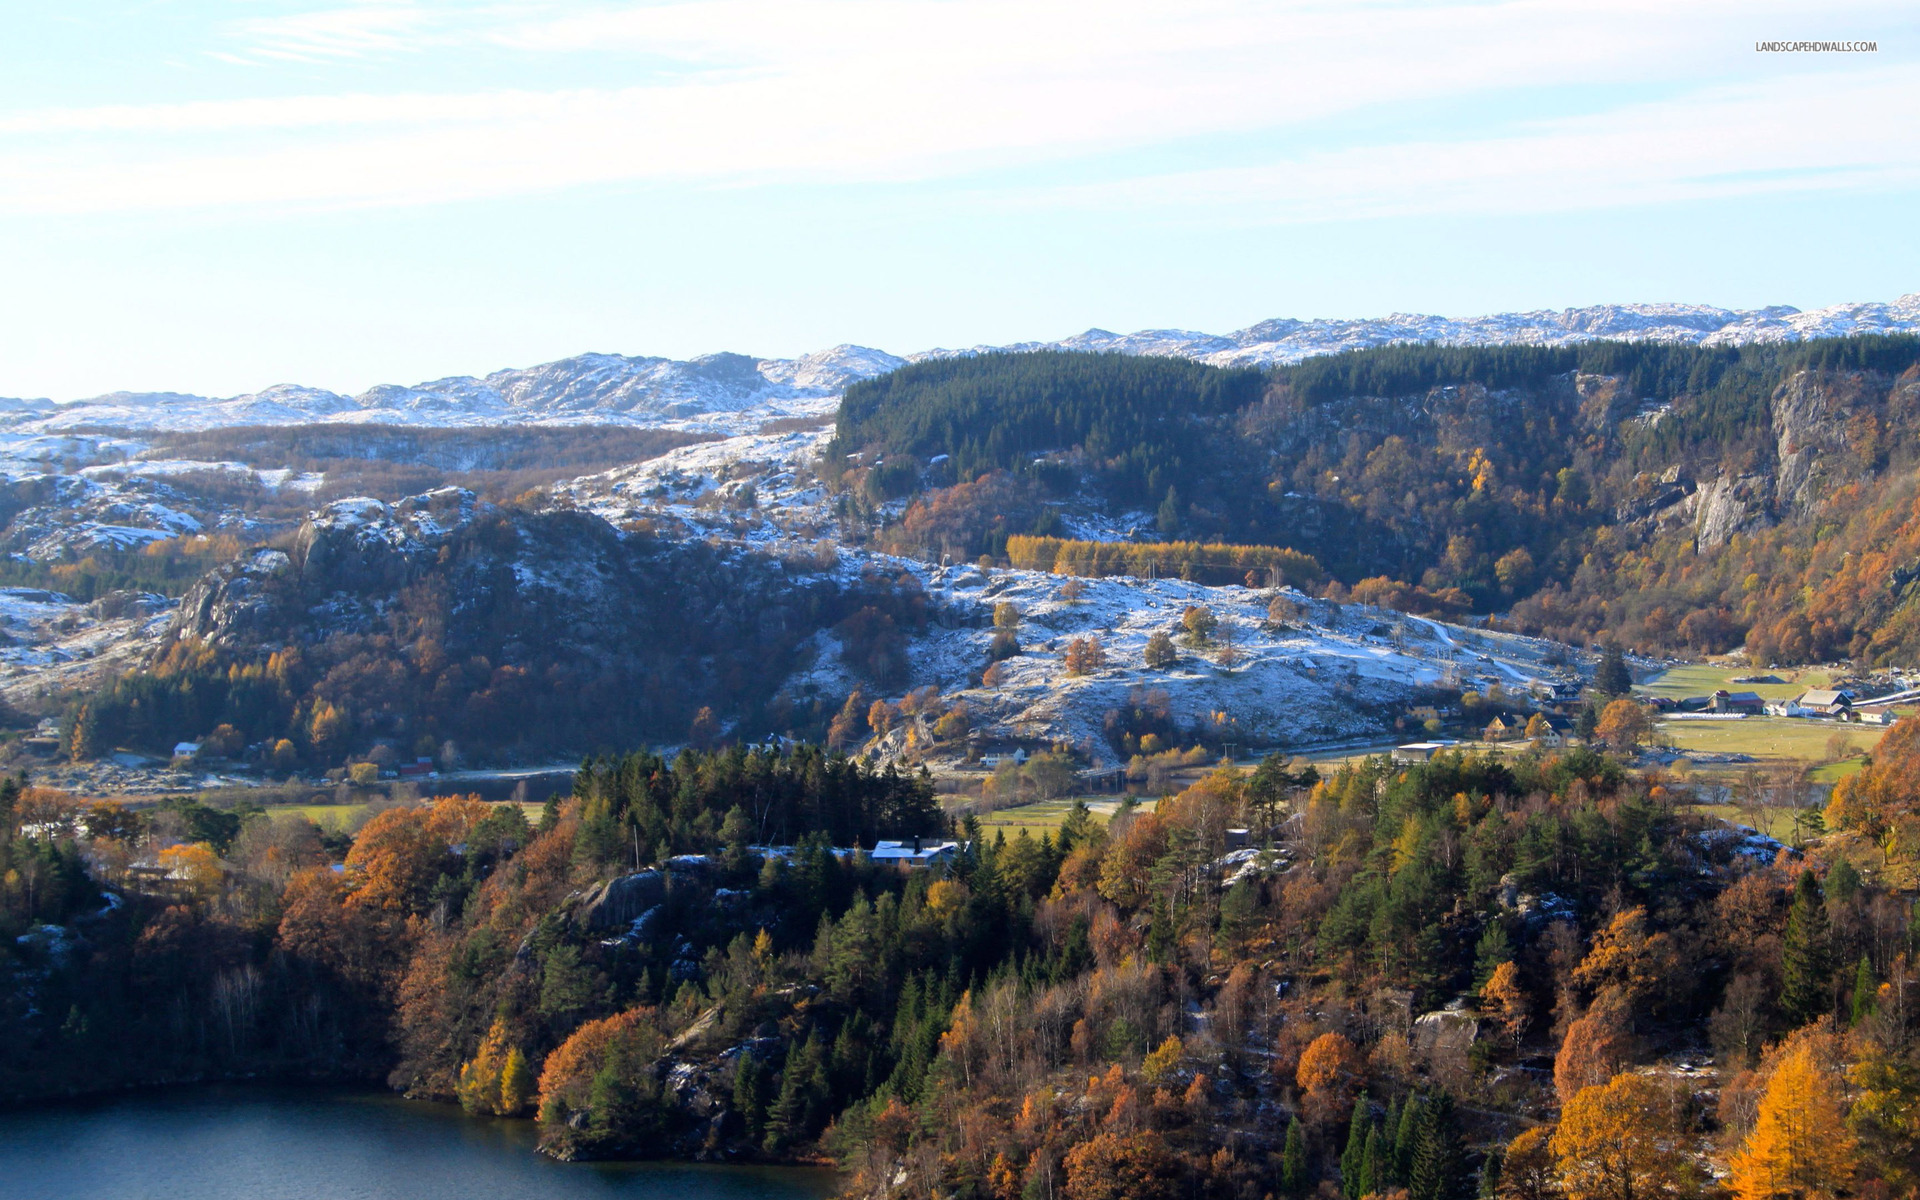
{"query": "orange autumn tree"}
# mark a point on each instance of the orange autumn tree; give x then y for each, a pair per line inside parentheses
(600, 1075)
(1882, 802)
(1329, 1072)
(1619, 1141)
(196, 868)
(1596, 1047)
(1528, 1172)
(1507, 1002)
(1628, 958)
(1800, 1147)
(401, 852)
(1114, 1166)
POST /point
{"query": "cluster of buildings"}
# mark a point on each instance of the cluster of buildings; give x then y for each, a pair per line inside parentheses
(1822, 704)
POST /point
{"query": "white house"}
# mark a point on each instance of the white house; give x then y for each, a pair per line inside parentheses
(915, 852)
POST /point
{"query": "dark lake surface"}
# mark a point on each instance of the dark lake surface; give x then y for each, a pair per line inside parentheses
(238, 1142)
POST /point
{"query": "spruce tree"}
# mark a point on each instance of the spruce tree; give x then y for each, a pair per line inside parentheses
(1842, 881)
(1168, 518)
(1806, 957)
(1293, 1160)
(750, 1095)
(1614, 677)
(1372, 1165)
(786, 1120)
(1490, 1174)
(1403, 1141)
(1438, 1170)
(1356, 1152)
(1864, 991)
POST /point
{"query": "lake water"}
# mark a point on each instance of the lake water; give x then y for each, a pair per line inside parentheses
(225, 1142)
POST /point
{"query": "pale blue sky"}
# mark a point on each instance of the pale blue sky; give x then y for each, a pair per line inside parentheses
(214, 196)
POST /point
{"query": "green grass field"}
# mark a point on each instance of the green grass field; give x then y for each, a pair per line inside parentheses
(1702, 679)
(1776, 823)
(1834, 772)
(1775, 741)
(345, 816)
(1045, 816)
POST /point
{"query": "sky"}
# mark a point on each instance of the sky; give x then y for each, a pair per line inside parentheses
(213, 196)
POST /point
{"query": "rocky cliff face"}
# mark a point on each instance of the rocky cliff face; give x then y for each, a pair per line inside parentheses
(1826, 430)
(1823, 426)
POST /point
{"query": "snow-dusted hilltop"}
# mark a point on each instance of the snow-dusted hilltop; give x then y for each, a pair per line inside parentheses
(718, 390)
(587, 388)
(1288, 341)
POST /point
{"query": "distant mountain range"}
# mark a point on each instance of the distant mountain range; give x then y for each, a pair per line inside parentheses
(613, 388)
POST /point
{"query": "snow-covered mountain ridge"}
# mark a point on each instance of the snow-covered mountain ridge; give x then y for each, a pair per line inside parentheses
(730, 393)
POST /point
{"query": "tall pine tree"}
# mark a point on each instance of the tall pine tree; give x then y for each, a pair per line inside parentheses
(1372, 1165)
(1613, 677)
(1806, 957)
(1293, 1160)
(1439, 1167)
(1404, 1138)
(1355, 1154)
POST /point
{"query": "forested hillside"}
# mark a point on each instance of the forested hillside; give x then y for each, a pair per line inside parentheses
(1535, 978)
(1677, 498)
(447, 628)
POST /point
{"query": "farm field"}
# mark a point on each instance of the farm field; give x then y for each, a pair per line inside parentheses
(1774, 741)
(1774, 821)
(346, 816)
(1045, 816)
(1702, 679)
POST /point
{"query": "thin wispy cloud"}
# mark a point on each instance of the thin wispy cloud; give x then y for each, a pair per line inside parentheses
(850, 91)
(1716, 144)
(350, 31)
(897, 91)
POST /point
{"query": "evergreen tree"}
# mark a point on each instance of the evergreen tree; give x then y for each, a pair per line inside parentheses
(1293, 1160)
(1490, 1174)
(1588, 721)
(1160, 932)
(1356, 1152)
(1438, 1170)
(1168, 518)
(1864, 990)
(800, 1084)
(1842, 882)
(1493, 948)
(750, 1095)
(1614, 677)
(1806, 957)
(1371, 1165)
(1404, 1137)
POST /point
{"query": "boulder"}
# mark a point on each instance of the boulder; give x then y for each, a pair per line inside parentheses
(1446, 1034)
(618, 903)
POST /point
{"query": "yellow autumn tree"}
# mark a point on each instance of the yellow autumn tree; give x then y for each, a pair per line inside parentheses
(958, 1044)
(196, 868)
(1163, 1060)
(1619, 1141)
(1529, 1171)
(1800, 1146)
(498, 1079)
